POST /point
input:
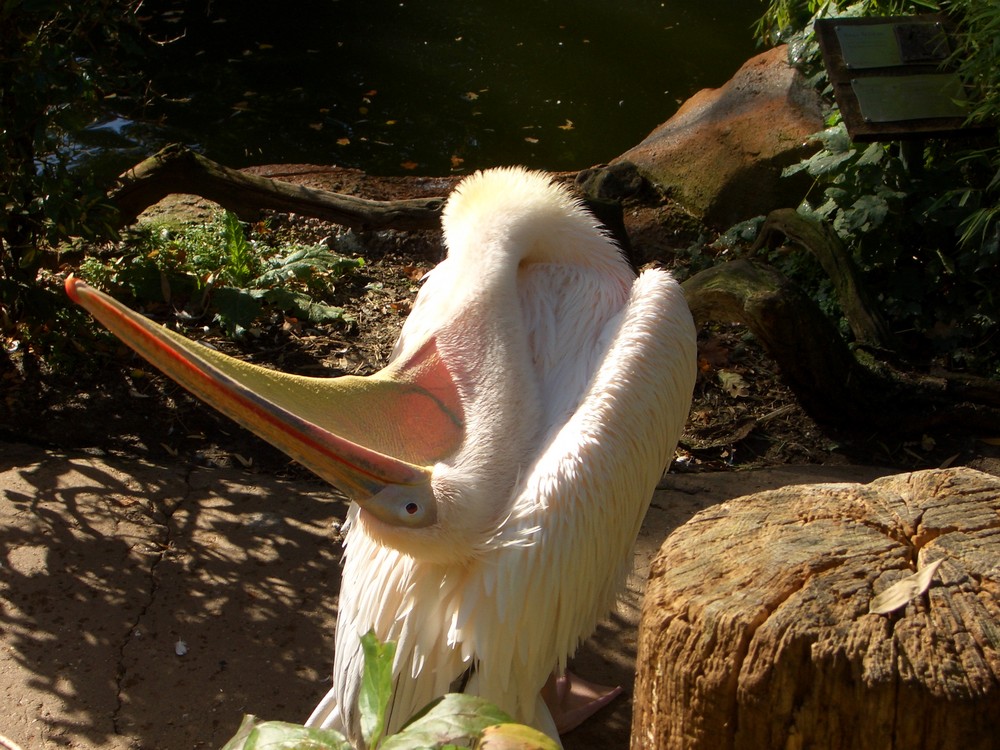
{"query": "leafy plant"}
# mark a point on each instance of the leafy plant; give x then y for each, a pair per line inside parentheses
(922, 223)
(783, 19)
(453, 722)
(241, 263)
(217, 269)
(61, 65)
(239, 305)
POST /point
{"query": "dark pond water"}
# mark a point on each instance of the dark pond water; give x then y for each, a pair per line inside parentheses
(431, 86)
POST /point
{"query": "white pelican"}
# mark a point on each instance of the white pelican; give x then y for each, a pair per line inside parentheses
(500, 465)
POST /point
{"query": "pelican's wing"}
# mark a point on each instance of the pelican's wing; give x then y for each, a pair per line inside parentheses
(583, 501)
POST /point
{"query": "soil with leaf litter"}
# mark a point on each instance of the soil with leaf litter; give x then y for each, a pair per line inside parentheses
(96, 396)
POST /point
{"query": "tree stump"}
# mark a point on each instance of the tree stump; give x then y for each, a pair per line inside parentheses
(757, 633)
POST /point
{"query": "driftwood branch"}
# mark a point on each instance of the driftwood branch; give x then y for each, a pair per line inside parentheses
(835, 385)
(177, 169)
(860, 310)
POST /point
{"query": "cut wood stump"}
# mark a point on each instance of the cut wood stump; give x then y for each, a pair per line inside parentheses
(757, 630)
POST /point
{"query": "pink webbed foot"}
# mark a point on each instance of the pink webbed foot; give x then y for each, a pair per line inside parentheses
(572, 700)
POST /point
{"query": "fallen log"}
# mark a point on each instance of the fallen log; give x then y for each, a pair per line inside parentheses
(178, 169)
(792, 619)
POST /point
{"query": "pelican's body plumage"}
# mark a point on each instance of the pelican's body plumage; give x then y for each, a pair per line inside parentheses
(593, 374)
(536, 394)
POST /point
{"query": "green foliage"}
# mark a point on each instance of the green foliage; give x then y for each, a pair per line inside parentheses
(376, 688)
(215, 268)
(241, 263)
(255, 734)
(977, 57)
(922, 222)
(783, 19)
(59, 68)
(453, 722)
(863, 188)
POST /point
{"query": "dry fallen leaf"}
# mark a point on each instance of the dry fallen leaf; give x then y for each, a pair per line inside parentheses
(714, 352)
(902, 592)
(734, 384)
(414, 273)
(245, 462)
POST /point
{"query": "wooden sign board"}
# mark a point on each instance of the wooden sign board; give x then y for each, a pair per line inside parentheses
(888, 76)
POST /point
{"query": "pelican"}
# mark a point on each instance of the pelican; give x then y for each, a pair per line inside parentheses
(499, 466)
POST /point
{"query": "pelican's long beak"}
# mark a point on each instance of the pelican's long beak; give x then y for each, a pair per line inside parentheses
(364, 435)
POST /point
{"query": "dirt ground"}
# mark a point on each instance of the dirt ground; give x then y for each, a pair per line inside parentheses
(162, 572)
(151, 605)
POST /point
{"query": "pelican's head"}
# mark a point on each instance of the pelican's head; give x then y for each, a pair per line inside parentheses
(375, 438)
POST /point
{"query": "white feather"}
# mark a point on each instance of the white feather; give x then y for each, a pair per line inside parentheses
(576, 380)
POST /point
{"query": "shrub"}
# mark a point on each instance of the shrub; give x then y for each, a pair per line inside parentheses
(926, 238)
(62, 63)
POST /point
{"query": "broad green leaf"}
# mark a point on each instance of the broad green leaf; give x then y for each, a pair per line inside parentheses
(825, 162)
(255, 734)
(456, 719)
(872, 155)
(303, 306)
(515, 737)
(376, 687)
(303, 262)
(237, 308)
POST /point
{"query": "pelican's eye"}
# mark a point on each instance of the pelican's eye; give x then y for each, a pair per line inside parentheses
(406, 506)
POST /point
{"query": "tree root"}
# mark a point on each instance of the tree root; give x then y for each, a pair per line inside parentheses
(838, 387)
(862, 314)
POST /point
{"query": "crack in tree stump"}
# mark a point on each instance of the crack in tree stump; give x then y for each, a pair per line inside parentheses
(756, 631)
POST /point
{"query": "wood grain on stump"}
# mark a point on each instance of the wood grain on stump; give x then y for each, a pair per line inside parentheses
(756, 631)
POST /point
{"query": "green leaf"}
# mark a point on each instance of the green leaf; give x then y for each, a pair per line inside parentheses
(872, 155)
(456, 719)
(255, 734)
(304, 262)
(236, 308)
(515, 737)
(303, 306)
(240, 259)
(376, 687)
(825, 162)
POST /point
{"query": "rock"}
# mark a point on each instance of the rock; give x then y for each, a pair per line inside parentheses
(722, 153)
(757, 630)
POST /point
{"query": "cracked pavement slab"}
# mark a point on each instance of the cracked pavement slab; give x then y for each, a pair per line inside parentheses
(151, 606)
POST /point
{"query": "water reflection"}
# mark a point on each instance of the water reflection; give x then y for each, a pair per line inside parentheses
(434, 86)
